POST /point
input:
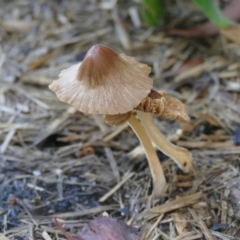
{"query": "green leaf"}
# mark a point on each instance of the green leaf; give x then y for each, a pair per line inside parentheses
(214, 13)
(153, 12)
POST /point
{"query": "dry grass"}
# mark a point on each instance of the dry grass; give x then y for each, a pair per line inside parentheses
(57, 162)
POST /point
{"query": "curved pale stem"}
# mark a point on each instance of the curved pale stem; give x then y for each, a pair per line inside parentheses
(159, 180)
(180, 155)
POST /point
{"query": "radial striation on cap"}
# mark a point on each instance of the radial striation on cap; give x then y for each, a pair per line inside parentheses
(104, 83)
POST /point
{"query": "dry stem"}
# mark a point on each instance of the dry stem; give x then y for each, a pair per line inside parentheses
(180, 155)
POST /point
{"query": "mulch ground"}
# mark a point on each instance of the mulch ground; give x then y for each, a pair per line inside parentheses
(56, 162)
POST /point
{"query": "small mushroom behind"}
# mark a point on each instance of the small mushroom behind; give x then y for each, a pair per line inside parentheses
(161, 104)
(173, 109)
(111, 84)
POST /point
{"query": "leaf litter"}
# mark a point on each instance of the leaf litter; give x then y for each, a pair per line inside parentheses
(57, 163)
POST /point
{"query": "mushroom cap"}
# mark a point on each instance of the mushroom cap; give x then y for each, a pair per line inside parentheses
(104, 83)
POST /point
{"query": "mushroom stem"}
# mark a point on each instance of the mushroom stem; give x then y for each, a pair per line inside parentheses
(159, 181)
(180, 155)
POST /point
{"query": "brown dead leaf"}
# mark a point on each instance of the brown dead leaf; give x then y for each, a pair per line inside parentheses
(104, 228)
(68, 236)
(205, 30)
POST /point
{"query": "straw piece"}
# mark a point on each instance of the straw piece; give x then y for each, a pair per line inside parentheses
(202, 225)
(46, 236)
(91, 211)
(114, 189)
(176, 204)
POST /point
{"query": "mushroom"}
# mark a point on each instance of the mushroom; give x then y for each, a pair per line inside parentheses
(115, 85)
(171, 108)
